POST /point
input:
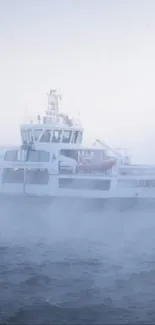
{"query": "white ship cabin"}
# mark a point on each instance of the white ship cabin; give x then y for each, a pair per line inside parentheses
(53, 128)
(41, 172)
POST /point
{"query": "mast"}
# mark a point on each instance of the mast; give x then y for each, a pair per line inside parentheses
(52, 111)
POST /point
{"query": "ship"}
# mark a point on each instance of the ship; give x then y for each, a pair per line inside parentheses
(52, 161)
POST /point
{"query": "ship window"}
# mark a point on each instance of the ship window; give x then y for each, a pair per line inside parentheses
(30, 136)
(11, 175)
(37, 134)
(84, 184)
(38, 156)
(80, 135)
(11, 155)
(56, 136)
(44, 156)
(37, 176)
(25, 136)
(66, 136)
(69, 153)
(75, 136)
(46, 136)
(33, 156)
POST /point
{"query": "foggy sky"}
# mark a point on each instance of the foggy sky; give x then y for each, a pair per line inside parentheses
(99, 54)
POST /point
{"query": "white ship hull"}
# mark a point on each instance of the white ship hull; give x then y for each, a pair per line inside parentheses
(18, 179)
(122, 192)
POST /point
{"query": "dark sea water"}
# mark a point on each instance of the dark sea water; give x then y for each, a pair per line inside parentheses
(63, 264)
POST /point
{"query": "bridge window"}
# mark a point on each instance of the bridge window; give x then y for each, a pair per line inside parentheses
(23, 135)
(66, 136)
(11, 155)
(80, 136)
(30, 136)
(56, 136)
(37, 176)
(46, 136)
(75, 136)
(37, 134)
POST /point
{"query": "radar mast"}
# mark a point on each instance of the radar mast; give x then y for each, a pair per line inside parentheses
(52, 112)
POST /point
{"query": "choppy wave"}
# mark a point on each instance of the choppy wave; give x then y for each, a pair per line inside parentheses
(63, 263)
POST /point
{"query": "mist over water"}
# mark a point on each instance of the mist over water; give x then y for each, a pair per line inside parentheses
(63, 262)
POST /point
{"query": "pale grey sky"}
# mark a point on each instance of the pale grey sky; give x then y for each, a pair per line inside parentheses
(100, 54)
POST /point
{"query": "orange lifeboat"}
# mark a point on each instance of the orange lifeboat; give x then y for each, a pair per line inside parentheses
(88, 164)
(109, 163)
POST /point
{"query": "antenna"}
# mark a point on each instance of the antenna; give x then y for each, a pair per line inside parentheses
(53, 105)
(25, 112)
